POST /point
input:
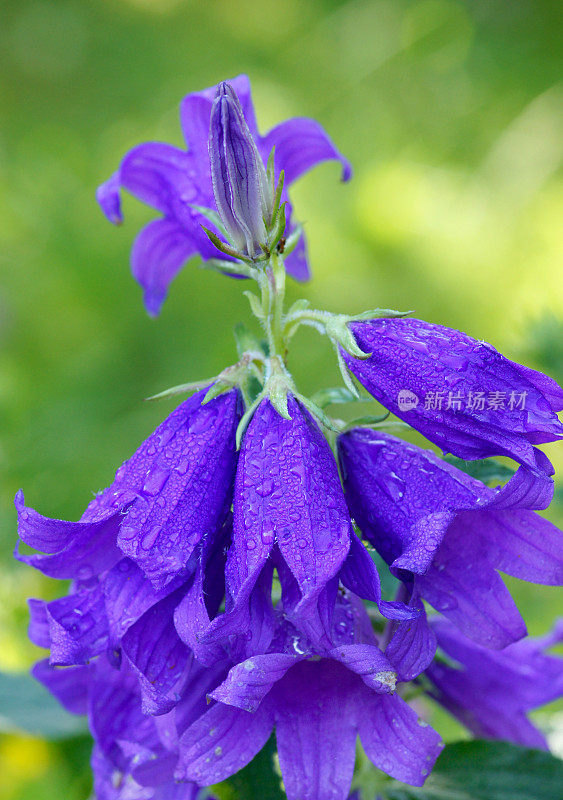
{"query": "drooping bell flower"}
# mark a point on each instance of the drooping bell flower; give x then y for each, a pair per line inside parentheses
(178, 184)
(319, 701)
(491, 692)
(174, 490)
(449, 533)
(289, 511)
(460, 393)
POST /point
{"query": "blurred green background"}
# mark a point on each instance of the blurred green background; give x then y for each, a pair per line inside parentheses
(452, 115)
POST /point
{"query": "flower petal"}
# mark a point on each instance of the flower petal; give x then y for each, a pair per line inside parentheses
(395, 740)
(187, 491)
(316, 730)
(75, 549)
(159, 252)
(109, 199)
(301, 143)
(221, 742)
(412, 645)
(369, 663)
(248, 683)
(77, 627)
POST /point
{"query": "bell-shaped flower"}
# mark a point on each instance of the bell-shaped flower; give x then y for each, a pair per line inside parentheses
(319, 701)
(175, 489)
(450, 533)
(289, 512)
(491, 692)
(178, 184)
(460, 393)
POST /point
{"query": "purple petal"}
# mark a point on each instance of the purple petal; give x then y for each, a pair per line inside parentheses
(297, 263)
(186, 492)
(301, 144)
(316, 730)
(158, 656)
(470, 593)
(38, 630)
(108, 196)
(68, 684)
(433, 362)
(369, 663)
(76, 549)
(395, 740)
(164, 177)
(412, 645)
(159, 252)
(359, 574)
(77, 627)
(221, 742)
(248, 683)
(295, 500)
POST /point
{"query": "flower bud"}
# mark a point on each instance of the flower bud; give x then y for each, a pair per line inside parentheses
(237, 171)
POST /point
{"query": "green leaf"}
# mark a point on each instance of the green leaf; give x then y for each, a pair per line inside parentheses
(367, 421)
(26, 706)
(487, 470)
(182, 388)
(246, 339)
(482, 770)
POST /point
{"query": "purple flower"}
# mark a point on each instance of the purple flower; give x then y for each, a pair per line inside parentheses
(319, 701)
(289, 512)
(449, 533)
(173, 491)
(490, 692)
(175, 182)
(134, 755)
(461, 394)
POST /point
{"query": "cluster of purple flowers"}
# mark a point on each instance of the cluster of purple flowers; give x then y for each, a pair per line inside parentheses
(218, 594)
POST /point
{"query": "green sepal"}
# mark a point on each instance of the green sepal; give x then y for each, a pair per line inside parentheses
(318, 412)
(229, 268)
(376, 313)
(345, 372)
(212, 216)
(334, 395)
(182, 388)
(299, 305)
(255, 304)
(292, 240)
(336, 327)
(220, 245)
(278, 227)
(246, 417)
(218, 388)
(278, 194)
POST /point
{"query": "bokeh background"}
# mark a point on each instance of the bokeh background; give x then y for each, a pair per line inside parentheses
(452, 114)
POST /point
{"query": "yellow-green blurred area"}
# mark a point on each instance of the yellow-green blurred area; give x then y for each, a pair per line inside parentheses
(451, 113)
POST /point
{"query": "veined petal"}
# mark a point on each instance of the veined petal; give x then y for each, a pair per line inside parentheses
(186, 493)
(248, 683)
(38, 630)
(159, 252)
(158, 656)
(316, 730)
(301, 144)
(287, 491)
(412, 645)
(77, 627)
(74, 549)
(369, 663)
(108, 196)
(221, 742)
(395, 740)
(297, 263)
